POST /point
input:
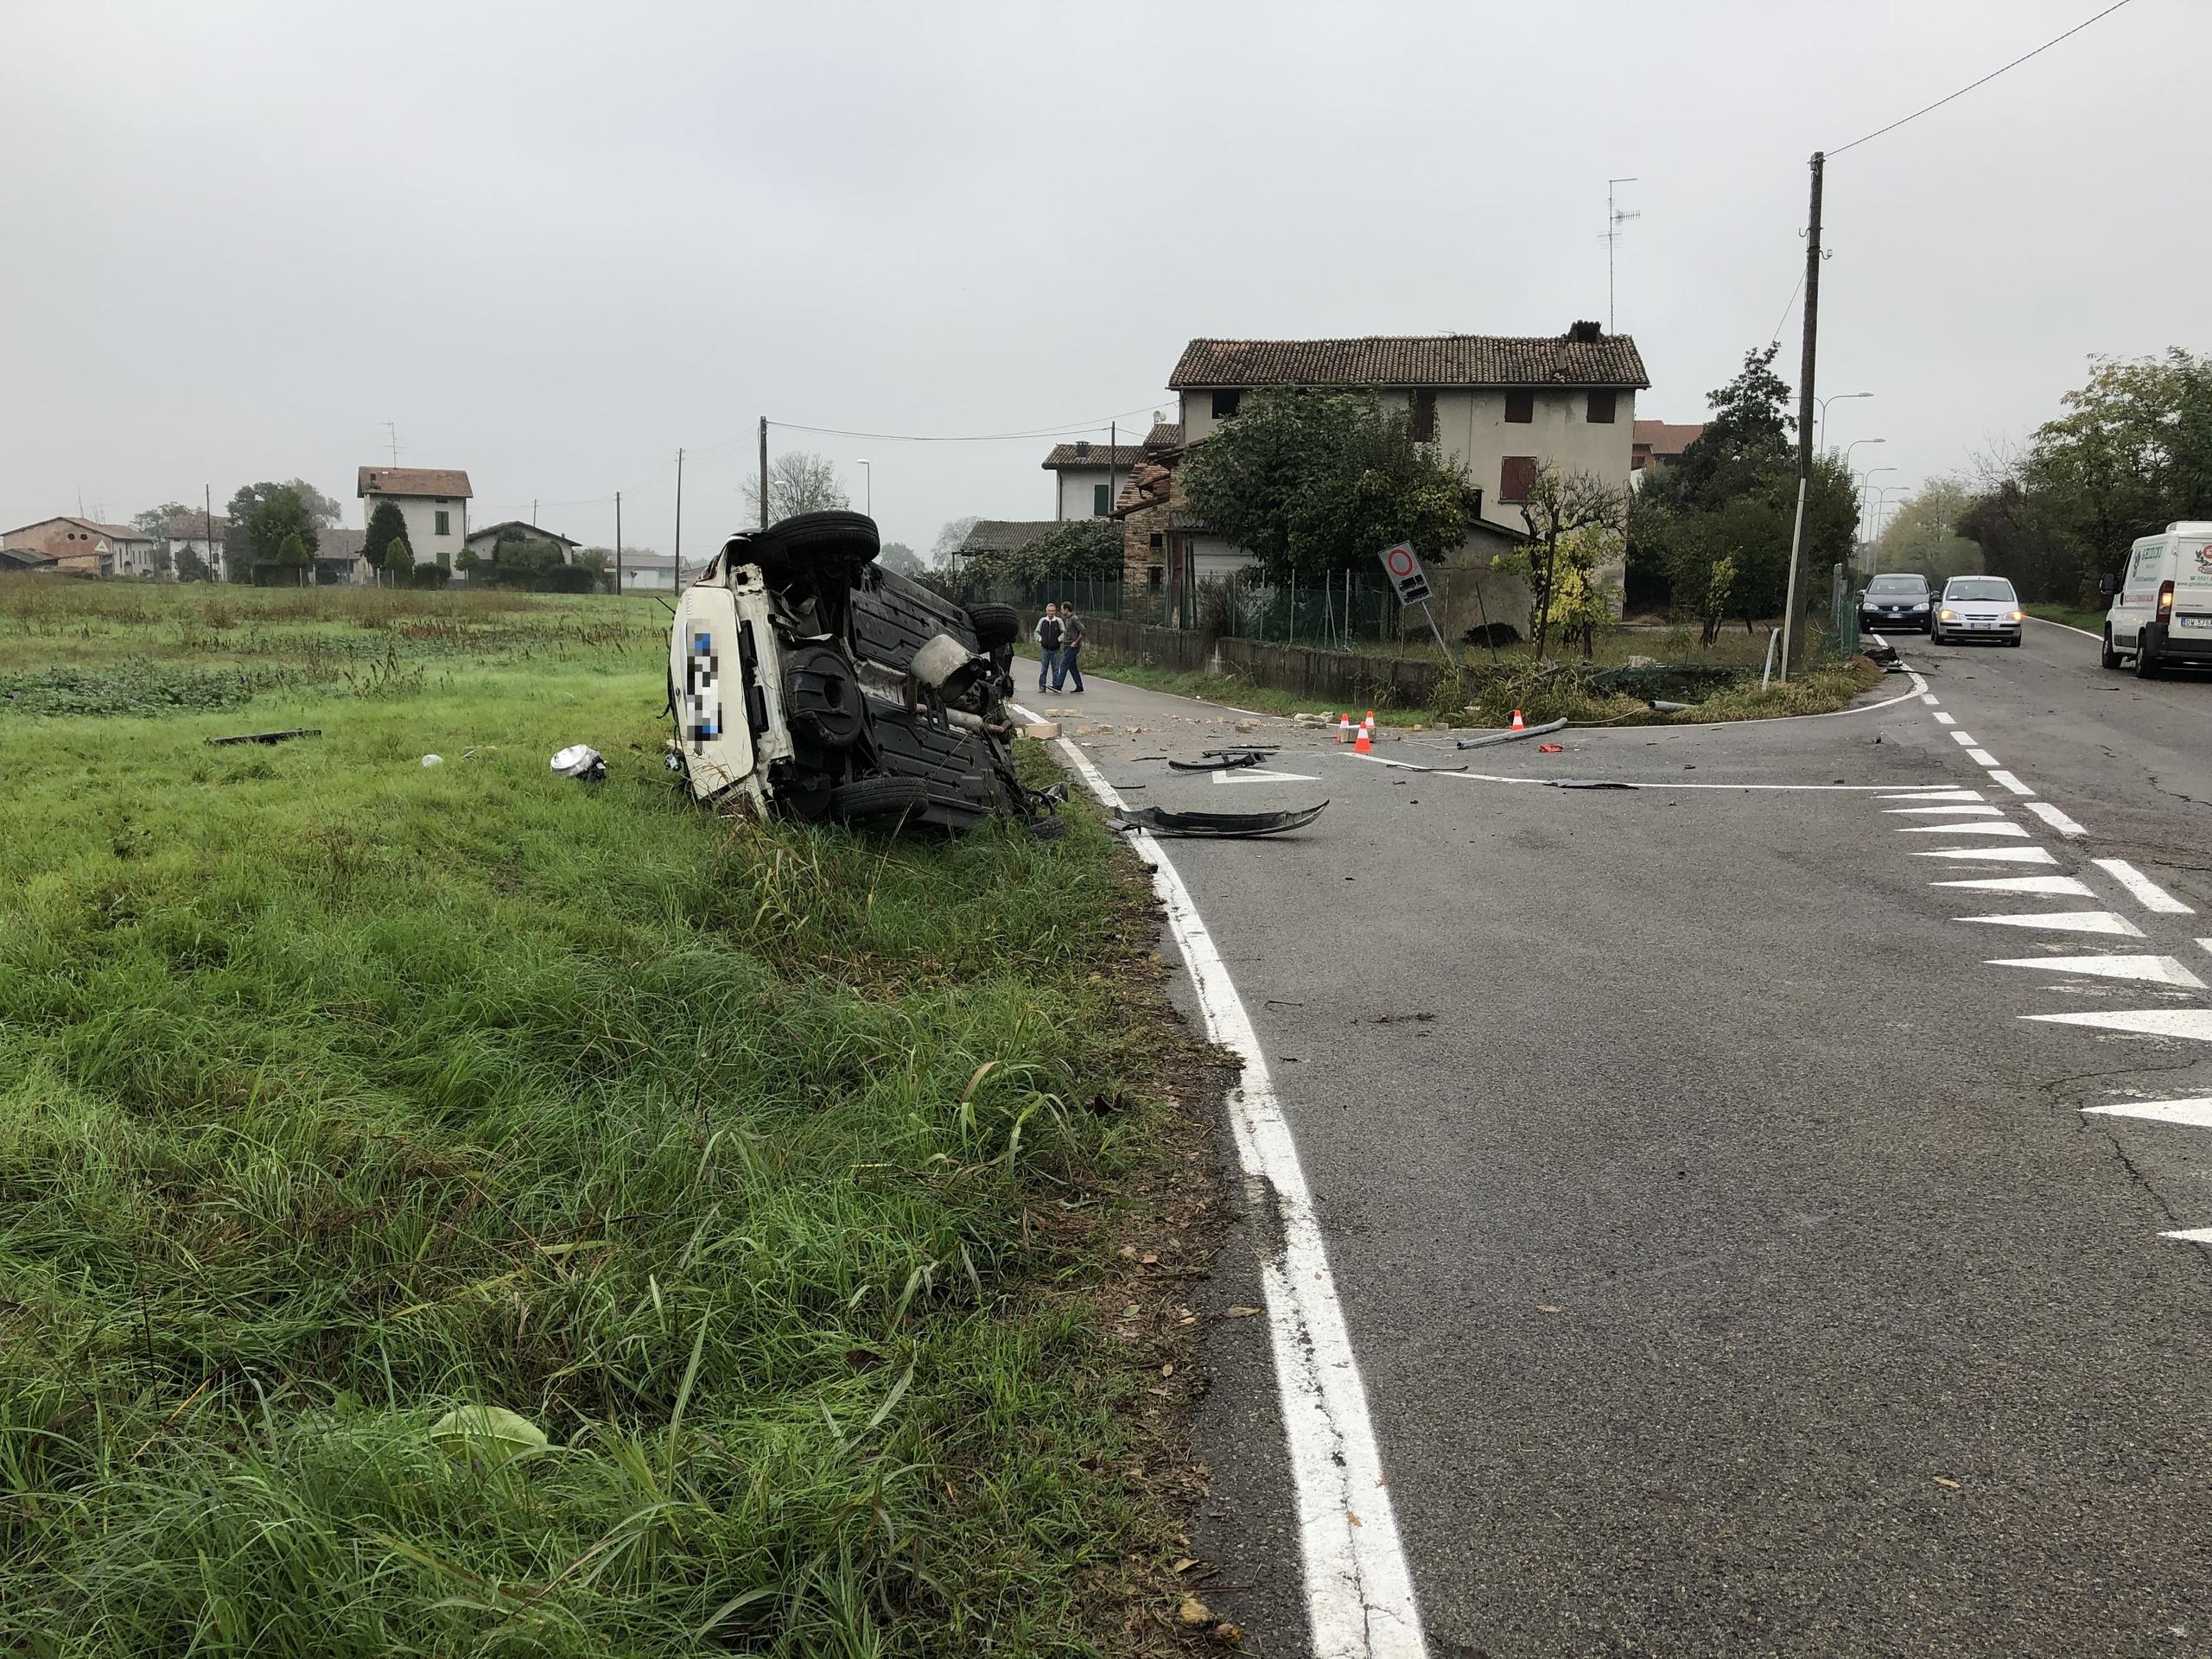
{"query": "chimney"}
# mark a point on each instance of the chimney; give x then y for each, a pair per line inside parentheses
(1083, 448)
(1585, 334)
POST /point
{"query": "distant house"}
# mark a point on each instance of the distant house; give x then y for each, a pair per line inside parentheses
(338, 558)
(25, 558)
(196, 534)
(650, 573)
(1661, 444)
(481, 542)
(1090, 476)
(1003, 536)
(434, 501)
(88, 547)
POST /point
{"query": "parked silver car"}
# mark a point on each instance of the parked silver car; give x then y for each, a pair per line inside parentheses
(1977, 608)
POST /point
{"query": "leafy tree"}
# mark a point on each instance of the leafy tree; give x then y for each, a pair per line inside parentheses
(190, 567)
(897, 555)
(797, 483)
(398, 562)
(598, 564)
(1924, 535)
(273, 522)
(1082, 549)
(292, 556)
(2131, 452)
(155, 521)
(1577, 525)
(1314, 482)
(387, 525)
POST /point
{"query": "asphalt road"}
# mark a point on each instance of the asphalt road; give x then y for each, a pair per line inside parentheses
(1730, 1260)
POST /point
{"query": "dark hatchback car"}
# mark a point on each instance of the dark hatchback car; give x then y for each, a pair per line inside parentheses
(1896, 600)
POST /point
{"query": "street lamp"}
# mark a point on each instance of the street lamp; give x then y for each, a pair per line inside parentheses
(1853, 445)
(867, 487)
(1882, 502)
(1820, 412)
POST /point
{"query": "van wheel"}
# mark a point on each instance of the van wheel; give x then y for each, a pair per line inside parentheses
(2147, 654)
(2110, 658)
(865, 799)
(995, 625)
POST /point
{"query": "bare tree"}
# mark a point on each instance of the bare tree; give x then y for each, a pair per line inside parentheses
(951, 539)
(797, 483)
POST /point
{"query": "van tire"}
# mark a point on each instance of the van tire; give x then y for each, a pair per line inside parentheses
(816, 546)
(2109, 657)
(2147, 654)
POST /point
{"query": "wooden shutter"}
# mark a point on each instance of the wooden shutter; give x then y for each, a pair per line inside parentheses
(1516, 477)
(1521, 406)
(1602, 407)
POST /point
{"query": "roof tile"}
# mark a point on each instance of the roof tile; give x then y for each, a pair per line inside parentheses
(413, 480)
(1412, 361)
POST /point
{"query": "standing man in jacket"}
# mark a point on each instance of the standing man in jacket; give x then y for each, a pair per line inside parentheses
(1048, 647)
(1070, 648)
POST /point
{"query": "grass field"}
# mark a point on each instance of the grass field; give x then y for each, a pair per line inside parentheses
(2072, 615)
(772, 1173)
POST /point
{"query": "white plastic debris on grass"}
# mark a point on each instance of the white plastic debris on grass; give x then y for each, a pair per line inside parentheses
(434, 761)
(491, 1432)
(581, 760)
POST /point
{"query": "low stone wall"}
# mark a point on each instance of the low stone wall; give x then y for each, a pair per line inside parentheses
(1342, 678)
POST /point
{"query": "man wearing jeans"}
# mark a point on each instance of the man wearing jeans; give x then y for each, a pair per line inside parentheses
(1070, 648)
(1048, 647)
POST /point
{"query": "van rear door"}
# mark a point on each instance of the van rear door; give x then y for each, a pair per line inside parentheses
(2191, 569)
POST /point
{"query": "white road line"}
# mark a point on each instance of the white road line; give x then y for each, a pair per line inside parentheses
(2009, 781)
(2157, 970)
(1994, 854)
(2197, 1113)
(2002, 827)
(1359, 1593)
(1935, 795)
(1942, 719)
(2072, 887)
(1964, 739)
(1501, 778)
(2195, 1024)
(2069, 628)
(2065, 921)
(2195, 1235)
(1254, 775)
(1940, 811)
(2057, 819)
(2147, 892)
(1982, 758)
(1927, 697)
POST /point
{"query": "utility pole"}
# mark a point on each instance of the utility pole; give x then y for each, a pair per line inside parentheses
(1614, 220)
(1113, 454)
(533, 513)
(618, 544)
(764, 472)
(1792, 646)
(207, 512)
(676, 577)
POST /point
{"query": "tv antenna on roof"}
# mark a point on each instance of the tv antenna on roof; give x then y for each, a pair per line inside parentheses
(392, 428)
(1615, 218)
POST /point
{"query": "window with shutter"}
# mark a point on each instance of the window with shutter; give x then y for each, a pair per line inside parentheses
(1521, 406)
(1516, 477)
(1424, 417)
(1100, 506)
(1601, 408)
(1225, 403)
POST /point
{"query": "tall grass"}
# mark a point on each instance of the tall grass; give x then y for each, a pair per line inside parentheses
(747, 1162)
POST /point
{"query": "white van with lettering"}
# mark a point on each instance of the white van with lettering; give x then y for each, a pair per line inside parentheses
(2161, 613)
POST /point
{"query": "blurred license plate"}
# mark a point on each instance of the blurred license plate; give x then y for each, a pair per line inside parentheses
(2195, 621)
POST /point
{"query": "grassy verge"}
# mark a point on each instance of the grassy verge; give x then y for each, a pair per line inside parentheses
(1487, 697)
(772, 1174)
(2072, 615)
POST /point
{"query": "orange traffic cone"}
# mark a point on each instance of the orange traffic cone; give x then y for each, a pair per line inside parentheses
(1517, 725)
(1369, 724)
(1364, 743)
(1344, 727)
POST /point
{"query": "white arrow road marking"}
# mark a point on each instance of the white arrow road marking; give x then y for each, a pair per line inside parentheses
(2194, 1235)
(2057, 819)
(2148, 894)
(1254, 775)
(1359, 1592)
(2072, 886)
(2010, 781)
(2195, 1113)
(1975, 829)
(2065, 921)
(1943, 811)
(2193, 1023)
(1934, 795)
(2157, 970)
(1994, 854)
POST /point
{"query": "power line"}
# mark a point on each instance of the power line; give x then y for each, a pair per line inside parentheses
(1984, 82)
(1061, 430)
(1786, 305)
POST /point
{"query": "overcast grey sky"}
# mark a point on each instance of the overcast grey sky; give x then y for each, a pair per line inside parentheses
(553, 241)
